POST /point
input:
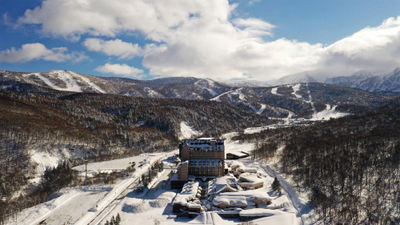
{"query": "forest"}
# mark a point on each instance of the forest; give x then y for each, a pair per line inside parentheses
(97, 127)
(350, 166)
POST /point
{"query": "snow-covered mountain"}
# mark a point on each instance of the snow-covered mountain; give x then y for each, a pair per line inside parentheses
(297, 100)
(305, 77)
(302, 100)
(61, 80)
(382, 84)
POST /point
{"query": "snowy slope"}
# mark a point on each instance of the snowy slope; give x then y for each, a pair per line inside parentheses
(386, 84)
(187, 131)
(65, 76)
(329, 112)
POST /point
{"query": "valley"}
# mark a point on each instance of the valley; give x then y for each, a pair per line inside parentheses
(52, 123)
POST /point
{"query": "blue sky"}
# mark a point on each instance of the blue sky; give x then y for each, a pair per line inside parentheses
(240, 40)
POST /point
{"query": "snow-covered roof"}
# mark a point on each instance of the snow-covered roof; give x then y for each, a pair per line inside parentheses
(258, 212)
(203, 141)
(190, 191)
(222, 184)
(278, 219)
(209, 218)
(250, 178)
(223, 201)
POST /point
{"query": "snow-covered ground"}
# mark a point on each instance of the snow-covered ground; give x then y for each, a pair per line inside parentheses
(187, 131)
(274, 91)
(80, 205)
(70, 80)
(97, 204)
(299, 202)
(237, 92)
(296, 88)
(328, 113)
(155, 206)
(262, 108)
(116, 164)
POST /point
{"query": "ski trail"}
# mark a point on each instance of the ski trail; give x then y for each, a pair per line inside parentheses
(274, 91)
(261, 110)
(296, 88)
(310, 101)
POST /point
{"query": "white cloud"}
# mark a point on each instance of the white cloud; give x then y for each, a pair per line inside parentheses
(120, 69)
(36, 51)
(252, 2)
(255, 27)
(200, 38)
(123, 50)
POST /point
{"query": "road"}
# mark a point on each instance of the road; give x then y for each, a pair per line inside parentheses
(163, 175)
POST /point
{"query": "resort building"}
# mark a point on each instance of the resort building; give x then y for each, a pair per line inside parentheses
(201, 158)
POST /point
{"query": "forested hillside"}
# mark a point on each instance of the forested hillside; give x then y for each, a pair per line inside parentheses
(74, 126)
(350, 165)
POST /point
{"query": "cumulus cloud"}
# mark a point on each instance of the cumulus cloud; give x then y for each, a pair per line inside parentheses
(36, 51)
(120, 69)
(201, 38)
(123, 50)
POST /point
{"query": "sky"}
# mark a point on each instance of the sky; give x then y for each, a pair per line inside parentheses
(218, 39)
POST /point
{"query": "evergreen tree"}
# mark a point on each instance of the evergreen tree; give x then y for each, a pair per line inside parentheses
(276, 186)
(118, 219)
(113, 222)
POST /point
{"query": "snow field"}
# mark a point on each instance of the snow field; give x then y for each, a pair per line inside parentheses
(38, 213)
(262, 108)
(187, 131)
(70, 80)
(121, 187)
(328, 113)
(274, 91)
(296, 88)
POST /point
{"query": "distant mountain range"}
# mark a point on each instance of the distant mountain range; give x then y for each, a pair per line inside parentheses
(385, 84)
(388, 84)
(298, 100)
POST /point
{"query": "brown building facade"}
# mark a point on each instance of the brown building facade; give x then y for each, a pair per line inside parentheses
(205, 157)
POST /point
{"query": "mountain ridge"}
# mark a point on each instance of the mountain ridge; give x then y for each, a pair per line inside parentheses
(300, 100)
